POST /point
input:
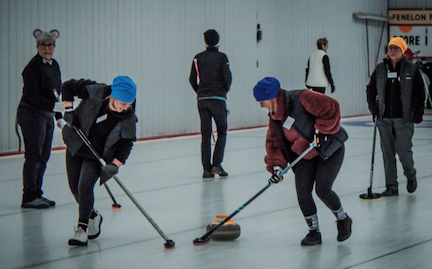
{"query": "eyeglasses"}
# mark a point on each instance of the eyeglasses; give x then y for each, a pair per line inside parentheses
(49, 46)
(393, 48)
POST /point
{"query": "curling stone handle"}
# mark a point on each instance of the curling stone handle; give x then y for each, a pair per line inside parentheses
(222, 216)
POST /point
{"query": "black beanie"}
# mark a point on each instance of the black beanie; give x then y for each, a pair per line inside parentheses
(211, 37)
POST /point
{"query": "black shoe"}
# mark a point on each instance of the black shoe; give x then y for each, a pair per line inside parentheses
(48, 201)
(312, 238)
(390, 192)
(36, 203)
(344, 228)
(207, 174)
(218, 170)
(412, 185)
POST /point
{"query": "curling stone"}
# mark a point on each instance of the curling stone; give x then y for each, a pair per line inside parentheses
(228, 231)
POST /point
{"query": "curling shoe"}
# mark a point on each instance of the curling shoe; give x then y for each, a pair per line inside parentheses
(344, 228)
(390, 192)
(36, 203)
(94, 227)
(48, 201)
(207, 174)
(218, 170)
(80, 238)
(412, 185)
(312, 238)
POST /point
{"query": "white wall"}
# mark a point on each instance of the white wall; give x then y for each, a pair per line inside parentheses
(154, 41)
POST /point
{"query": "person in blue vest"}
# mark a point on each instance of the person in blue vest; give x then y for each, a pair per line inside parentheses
(318, 75)
(106, 115)
(395, 96)
(296, 118)
(210, 77)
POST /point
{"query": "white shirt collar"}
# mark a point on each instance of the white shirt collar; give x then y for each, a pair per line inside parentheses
(47, 61)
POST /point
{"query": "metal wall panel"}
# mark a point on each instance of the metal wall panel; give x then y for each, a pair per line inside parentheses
(410, 4)
(154, 42)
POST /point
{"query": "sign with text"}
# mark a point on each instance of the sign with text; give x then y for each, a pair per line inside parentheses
(415, 26)
(411, 16)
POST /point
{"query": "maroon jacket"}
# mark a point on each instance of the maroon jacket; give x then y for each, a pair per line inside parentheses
(327, 113)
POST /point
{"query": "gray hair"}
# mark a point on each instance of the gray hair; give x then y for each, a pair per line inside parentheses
(44, 36)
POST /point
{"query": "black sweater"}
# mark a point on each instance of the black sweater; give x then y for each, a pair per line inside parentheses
(39, 81)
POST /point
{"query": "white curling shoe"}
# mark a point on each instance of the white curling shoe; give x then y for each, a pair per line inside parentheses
(94, 227)
(80, 238)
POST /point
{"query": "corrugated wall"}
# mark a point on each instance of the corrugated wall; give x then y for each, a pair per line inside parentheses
(154, 41)
(410, 4)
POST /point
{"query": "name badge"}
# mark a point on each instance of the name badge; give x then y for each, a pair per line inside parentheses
(289, 122)
(392, 75)
(101, 118)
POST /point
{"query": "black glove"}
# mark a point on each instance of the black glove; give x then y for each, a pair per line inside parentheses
(68, 116)
(417, 118)
(333, 88)
(276, 177)
(108, 171)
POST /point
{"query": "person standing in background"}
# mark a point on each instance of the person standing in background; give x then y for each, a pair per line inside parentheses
(35, 114)
(395, 96)
(211, 79)
(318, 75)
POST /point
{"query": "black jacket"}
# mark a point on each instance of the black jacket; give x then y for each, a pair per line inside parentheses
(117, 142)
(214, 74)
(399, 97)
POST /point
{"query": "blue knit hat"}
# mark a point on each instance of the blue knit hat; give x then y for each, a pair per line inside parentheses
(123, 89)
(266, 89)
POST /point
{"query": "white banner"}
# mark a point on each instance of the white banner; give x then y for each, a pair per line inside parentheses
(418, 38)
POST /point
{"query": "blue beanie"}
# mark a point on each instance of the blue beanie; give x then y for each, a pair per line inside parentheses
(266, 89)
(123, 89)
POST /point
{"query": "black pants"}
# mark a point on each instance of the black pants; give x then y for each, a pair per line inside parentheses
(215, 109)
(317, 89)
(83, 174)
(37, 128)
(322, 174)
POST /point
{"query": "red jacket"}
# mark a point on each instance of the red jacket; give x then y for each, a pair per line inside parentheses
(327, 113)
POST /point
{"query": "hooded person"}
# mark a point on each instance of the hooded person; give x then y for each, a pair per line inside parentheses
(211, 78)
(395, 96)
(106, 115)
(296, 119)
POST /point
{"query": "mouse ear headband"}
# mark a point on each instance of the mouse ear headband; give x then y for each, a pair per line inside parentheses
(40, 35)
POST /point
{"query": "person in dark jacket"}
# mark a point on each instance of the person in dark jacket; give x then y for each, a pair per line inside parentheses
(38, 106)
(295, 117)
(106, 115)
(318, 75)
(395, 96)
(211, 78)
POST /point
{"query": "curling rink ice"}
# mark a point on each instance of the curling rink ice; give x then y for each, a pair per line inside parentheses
(165, 177)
